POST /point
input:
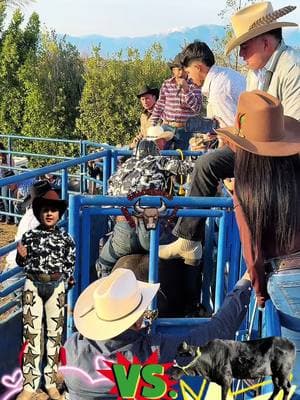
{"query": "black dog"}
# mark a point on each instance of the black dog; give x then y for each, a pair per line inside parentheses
(222, 360)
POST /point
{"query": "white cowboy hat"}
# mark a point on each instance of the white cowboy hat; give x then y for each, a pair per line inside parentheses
(255, 20)
(111, 305)
(157, 132)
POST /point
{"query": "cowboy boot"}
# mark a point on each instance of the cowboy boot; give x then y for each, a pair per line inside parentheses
(54, 394)
(189, 250)
(25, 395)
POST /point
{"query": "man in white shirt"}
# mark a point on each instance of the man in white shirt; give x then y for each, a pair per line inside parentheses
(273, 67)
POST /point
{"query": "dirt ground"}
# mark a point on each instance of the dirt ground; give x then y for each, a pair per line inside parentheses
(7, 235)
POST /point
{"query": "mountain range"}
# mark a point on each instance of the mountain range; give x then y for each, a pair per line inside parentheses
(171, 42)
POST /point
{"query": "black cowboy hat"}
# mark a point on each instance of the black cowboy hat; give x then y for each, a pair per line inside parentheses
(50, 199)
(38, 189)
(148, 90)
(176, 63)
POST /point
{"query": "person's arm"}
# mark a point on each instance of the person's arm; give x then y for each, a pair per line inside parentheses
(159, 106)
(192, 97)
(70, 254)
(254, 259)
(22, 251)
(223, 325)
(290, 90)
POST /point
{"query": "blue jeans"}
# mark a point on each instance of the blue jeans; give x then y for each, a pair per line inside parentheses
(284, 291)
(125, 240)
(180, 135)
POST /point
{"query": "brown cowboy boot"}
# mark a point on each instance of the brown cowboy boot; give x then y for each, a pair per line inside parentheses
(54, 394)
(25, 395)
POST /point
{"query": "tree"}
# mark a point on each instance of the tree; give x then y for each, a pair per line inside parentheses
(16, 47)
(109, 109)
(53, 82)
(232, 60)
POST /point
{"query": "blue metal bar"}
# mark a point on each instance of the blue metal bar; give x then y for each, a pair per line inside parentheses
(153, 261)
(41, 155)
(85, 249)
(51, 168)
(6, 249)
(38, 139)
(8, 274)
(208, 264)
(64, 184)
(155, 201)
(235, 252)
(106, 171)
(74, 231)
(83, 187)
(219, 296)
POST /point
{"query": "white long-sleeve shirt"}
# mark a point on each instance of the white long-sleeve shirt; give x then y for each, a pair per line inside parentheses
(222, 87)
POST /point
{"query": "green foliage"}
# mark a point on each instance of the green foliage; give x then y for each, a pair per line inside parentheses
(17, 47)
(53, 82)
(232, 60)
(110, 110)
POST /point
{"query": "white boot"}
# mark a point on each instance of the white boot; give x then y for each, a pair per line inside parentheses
(189, 250)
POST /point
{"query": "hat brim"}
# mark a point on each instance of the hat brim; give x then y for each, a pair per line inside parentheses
(289, 145)
(253, 33)
(154, 92)
(92, 327)
(39, 202)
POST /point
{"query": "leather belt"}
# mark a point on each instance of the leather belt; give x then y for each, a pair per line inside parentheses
(174, 124)
(56, 276)
(291, 261)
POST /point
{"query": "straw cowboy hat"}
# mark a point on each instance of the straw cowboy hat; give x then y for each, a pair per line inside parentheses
(49, 199)
(261, 128)
(157, 132)
(255, 20)
(111, 305)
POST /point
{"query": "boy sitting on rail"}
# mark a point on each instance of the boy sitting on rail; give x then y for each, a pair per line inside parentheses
(47, 255)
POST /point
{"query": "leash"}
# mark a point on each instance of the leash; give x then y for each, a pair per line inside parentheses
(191, 364)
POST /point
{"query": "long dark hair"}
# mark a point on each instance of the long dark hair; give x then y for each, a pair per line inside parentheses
(267, 190)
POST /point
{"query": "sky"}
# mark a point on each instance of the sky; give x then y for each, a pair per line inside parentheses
(133, 17)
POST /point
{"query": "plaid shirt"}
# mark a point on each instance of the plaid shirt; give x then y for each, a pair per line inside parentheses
(175, 105)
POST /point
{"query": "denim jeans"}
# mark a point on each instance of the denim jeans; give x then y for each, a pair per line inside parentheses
(208, 171)
(181, 137)
(125, 240)
(284, 291)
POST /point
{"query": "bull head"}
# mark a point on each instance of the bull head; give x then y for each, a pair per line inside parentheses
(150, 215)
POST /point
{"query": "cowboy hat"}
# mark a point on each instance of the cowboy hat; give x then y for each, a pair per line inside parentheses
(176, 63)
(49, 199)
(148, 90)
(261, 128)
(111, 305)
(156, 132)
(38, 189)
(255, 20)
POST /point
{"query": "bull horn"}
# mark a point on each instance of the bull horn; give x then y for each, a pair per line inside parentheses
(138, 208)
(163, 207)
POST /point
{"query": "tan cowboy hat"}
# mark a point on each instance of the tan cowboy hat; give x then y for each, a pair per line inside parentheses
(157, 132)
(261, 128)
(112, 304)
(255, 20)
